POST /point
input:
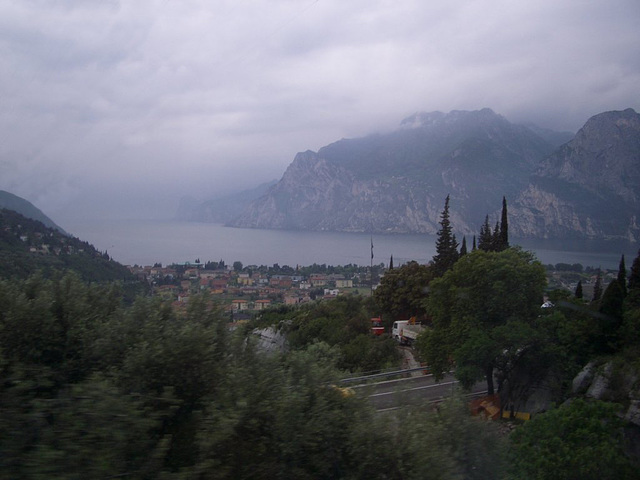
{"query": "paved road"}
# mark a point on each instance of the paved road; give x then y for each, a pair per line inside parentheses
(411, 391)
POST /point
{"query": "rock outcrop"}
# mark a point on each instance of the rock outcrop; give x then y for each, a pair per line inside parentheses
(613, 383)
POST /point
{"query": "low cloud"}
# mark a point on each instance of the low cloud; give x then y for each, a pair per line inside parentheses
(147, 101)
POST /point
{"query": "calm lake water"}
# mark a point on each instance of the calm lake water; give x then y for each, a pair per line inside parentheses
(149, 241)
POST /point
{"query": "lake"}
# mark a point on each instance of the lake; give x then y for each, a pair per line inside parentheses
(149, 241)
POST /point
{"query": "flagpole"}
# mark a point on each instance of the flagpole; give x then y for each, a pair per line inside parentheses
(371, 267)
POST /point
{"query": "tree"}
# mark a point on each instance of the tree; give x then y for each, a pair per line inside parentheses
(580, 440)
(470, 306)
(631, 315)
(634, 275)
(597, 288)
(237, 266)
(475, 450)
(622, 276)
(403, 290)
(463, 248)
(446, 245)
(611, 308)
(504, 226)
(485, 239)
(496, 240)
(391, 263)
(578, 293)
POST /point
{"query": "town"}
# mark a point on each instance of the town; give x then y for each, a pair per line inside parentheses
(245, 290)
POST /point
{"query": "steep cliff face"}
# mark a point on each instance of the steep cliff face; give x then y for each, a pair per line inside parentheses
(398, 182)
(315, 194)
(589, 187)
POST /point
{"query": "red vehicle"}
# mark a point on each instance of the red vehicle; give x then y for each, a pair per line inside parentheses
(376, 326)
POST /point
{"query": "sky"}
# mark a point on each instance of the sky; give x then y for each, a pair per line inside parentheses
(117, 109)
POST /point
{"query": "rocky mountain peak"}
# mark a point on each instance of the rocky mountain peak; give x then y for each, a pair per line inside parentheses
(603, 155)
(589, 186)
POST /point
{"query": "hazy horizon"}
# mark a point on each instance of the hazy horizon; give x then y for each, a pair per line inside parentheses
(117, 109)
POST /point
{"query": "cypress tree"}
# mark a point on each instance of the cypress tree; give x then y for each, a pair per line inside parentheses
(496, 240)
(578, 293)
(391, 263)
(611, 305)
(622, 276)
(634, 275)
(463, 248)
(504, 226)
(485, 239)
(446, 245)
(597, 288)
(473, 245)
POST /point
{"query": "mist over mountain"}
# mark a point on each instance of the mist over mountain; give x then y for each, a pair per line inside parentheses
(558, 185)
(26, 209)
(220, 209)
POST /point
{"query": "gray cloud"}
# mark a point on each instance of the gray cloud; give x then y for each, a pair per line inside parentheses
(125, 106)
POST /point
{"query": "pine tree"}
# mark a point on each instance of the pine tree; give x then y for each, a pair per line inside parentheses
(485, 239)
(622, 276)
(463, 248)
(578, 293)
(446, 245)
(597, 288)
(473, 245)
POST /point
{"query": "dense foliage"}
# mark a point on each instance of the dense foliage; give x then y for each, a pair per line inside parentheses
(343, 323)
(90, 388)
(580, 440)
(402, 292)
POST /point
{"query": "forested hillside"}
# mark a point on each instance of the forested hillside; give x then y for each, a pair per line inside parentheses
(27, 246)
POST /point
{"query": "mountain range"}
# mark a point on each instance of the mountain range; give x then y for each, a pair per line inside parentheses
(557, 184)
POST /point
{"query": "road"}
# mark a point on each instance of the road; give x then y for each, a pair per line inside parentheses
(390, 394)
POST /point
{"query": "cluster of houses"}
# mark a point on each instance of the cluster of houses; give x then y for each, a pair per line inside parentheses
(37, 244)
(241, 291)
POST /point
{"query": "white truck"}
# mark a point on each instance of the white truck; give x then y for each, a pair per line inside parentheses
(406, 331)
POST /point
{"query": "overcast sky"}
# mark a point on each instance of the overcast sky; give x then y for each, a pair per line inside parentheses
(119, 108)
